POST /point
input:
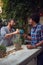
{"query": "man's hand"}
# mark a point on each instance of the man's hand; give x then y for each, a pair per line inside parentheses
(7, 36)
(27, 36)
(30, 47)
(24, 35)
(16, 32)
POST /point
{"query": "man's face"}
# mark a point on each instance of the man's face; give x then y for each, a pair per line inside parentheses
(30, 22)
(12, 23)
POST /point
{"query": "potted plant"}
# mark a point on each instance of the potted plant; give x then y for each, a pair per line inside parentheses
(2, 51)
(17, 42)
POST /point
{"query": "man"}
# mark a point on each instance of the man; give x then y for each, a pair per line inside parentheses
(7, 33)
(36, 35)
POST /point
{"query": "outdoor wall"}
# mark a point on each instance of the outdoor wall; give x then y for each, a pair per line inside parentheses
(41, 20)
(1, 3)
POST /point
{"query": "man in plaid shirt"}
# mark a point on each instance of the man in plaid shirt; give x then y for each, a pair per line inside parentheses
(36, 36)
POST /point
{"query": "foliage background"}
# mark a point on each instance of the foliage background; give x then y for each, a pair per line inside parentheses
(20, 10)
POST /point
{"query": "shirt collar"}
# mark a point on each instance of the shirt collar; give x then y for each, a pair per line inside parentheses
(36, 25)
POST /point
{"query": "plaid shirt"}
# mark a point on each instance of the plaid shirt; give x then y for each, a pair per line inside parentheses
(36, 34)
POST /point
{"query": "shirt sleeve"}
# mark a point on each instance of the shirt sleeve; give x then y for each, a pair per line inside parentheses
(42, 32)
(3, 32)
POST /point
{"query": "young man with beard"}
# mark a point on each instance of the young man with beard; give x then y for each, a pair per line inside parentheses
(8, 33)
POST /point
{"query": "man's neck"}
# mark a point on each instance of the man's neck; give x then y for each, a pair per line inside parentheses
(34, 25)
(9, 27)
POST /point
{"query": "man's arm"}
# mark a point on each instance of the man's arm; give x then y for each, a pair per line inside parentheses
(5, 35)
(35, 46)
(11, 34)
(39, 44)
(27, 36)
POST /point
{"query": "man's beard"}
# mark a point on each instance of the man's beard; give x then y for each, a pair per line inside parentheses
(12, 26)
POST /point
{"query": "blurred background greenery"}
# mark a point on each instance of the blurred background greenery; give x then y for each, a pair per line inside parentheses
(20, 10)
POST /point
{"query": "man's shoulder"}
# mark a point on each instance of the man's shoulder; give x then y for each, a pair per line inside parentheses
(40, 26)
(4, 27)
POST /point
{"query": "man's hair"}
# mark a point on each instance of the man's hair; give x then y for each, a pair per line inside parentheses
(35, 17)
(9, 20)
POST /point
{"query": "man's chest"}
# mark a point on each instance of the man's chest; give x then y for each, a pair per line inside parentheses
(8, 31)
(35, 33)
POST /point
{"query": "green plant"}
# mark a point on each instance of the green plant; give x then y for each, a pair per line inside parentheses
(20, 8)
(2, 51)
(17, 39)
(2, 48)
